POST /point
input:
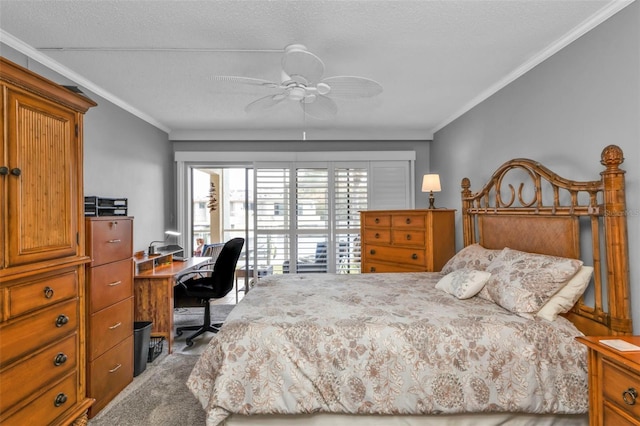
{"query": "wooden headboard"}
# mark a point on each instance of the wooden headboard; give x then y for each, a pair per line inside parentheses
(551, 215)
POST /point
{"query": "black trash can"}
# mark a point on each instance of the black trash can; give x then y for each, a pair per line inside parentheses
(141, 338)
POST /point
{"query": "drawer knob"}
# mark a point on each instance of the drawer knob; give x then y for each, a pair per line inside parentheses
(408, 220)
(59, 359)
(60, 399)
(61, 320)
(377, 220)
(408, 237)
(372, 251)
(377, 235)
(48, 292)
(4, 170)
(629, 396)
(372, 269)
(414, 256)
(16, 171)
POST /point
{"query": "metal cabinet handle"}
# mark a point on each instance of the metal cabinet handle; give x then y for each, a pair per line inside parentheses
(114, 241)
(629, 396)
(59, 359)
(61, 320)
(116, 368)
(115, 283)
(60, 399)
(48, 292)
(114, 326)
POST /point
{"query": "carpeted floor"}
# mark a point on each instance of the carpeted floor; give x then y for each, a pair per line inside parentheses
(159, 396)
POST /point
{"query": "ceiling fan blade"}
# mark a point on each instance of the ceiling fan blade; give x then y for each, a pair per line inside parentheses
(321, 108)
(264, 103)
(245, 80)
(297, 61)
(352, 87)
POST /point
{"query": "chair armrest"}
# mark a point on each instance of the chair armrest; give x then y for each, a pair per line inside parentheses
(179, 277)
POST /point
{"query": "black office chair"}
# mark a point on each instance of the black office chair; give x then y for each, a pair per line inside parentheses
(209, 284)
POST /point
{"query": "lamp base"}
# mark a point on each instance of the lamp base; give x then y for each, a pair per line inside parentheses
(431, 200)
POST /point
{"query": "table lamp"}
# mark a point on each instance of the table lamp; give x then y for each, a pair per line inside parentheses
(152, 249)
(431, 184)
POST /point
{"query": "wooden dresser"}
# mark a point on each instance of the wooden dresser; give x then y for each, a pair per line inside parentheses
(407, 240)
(42, 253)
(110, 309)
(614, 383)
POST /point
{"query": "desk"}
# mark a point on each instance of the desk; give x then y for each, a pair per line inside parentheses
(153, 293)
(263, 271)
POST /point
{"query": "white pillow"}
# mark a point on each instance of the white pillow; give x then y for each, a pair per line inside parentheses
(567, 296)
(463, 283)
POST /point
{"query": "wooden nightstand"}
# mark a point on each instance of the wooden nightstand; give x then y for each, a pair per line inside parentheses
(614, 383)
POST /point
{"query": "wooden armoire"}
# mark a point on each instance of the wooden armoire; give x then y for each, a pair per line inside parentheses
(42, 252)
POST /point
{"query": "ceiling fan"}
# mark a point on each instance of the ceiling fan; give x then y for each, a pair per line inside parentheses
(302, 82)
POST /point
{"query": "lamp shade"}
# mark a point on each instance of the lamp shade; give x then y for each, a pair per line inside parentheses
(431, 183)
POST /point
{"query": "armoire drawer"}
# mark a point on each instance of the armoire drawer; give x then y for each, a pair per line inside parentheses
(378, 235)
(34, 331)
(42, 292)
(110, 373)
(109, 327)
(48, 406)
(109, 284)
(48, 365)
(109, 240)
(383, 220)
(618, 385)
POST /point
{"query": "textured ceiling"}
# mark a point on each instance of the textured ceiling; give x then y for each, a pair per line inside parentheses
(434, 59)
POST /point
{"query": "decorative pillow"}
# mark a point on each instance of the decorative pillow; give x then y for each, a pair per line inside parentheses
(568, 295)
(524, 282)
(473, 256)
(463, 283)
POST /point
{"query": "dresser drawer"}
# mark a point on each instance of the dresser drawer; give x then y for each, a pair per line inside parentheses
(615, 382)
(408, 237)
(42, 292)
(109, 327)
(383, 220)
(110, 283)
(374, 267)
(48, 406)
(110, 373)
(382, 236)
(34, 331)
(408, 221)
(109, 240)
(24, 379)
(407, 256)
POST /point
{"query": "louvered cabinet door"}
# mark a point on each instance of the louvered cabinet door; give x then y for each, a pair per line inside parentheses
(42, 150)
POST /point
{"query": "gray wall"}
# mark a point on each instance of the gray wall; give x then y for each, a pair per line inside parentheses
(123, 157)
(562, 114)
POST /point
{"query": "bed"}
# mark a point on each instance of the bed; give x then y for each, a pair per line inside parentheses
(488, 340)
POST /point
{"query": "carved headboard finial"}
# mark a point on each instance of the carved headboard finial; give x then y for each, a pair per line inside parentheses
(611, 157)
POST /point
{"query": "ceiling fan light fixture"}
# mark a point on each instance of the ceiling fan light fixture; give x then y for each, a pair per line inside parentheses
(309, 98)
(297, 93)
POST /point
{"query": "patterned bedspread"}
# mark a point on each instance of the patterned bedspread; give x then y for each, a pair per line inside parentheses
(384, 344)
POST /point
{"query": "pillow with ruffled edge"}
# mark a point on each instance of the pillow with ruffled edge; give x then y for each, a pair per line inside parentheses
(567, 296)
(463, 283)
(473, 256)
(523, 282)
